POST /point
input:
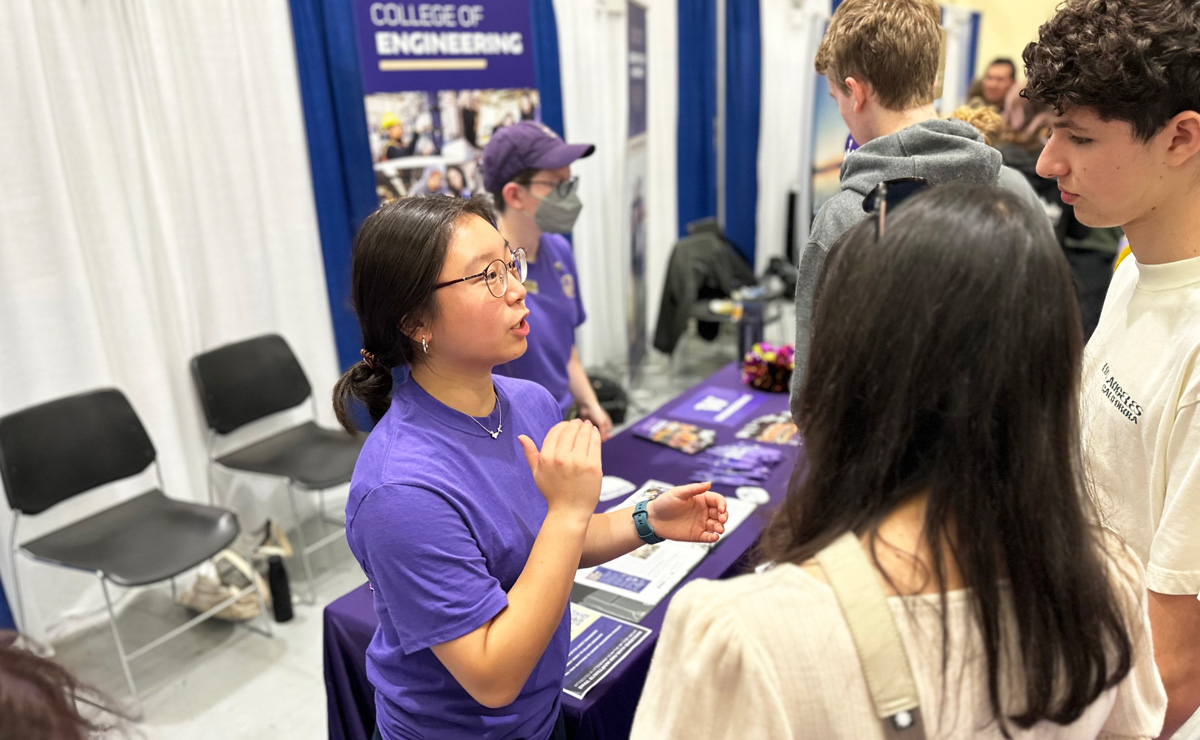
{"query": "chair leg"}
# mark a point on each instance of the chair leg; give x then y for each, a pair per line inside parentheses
(212, 485)
(325, 517)
(22, 625)
(303, 545)
(112, 621)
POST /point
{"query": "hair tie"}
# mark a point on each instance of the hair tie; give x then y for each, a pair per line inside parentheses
(369, 359)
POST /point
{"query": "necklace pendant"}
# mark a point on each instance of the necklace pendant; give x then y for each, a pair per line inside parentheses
(495, 434)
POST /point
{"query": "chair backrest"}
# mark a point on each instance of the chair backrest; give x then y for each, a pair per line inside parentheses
(246, 381)
(62, 448)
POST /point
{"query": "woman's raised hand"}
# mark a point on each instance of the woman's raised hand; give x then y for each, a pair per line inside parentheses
(567, 468)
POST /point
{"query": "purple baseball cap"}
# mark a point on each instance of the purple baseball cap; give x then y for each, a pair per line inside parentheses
(527, 145)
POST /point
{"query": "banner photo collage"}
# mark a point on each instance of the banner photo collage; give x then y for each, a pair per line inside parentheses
(438, 80)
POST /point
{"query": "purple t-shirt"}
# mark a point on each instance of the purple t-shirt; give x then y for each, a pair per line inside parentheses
(442, 519)
(555, 311)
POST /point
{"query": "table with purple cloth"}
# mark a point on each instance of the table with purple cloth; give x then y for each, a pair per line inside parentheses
(606, 712)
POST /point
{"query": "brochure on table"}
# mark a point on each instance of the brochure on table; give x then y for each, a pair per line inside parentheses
(598, 645)
(650, 572)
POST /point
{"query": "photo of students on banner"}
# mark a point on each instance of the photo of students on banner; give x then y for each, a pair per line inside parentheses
(425, 143)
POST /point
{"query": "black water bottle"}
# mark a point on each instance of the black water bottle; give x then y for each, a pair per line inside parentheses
(281, 592)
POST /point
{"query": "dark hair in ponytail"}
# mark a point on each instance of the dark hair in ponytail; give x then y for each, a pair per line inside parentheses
(398, 256)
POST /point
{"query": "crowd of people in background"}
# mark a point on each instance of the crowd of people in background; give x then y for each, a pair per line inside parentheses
(1019, 127)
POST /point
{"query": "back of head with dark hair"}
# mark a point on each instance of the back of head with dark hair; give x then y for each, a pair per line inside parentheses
(945, 361)
(398, 256)
(1129, 60)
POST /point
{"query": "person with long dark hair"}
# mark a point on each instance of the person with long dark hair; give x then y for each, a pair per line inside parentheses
(941, 435)
(471, 506)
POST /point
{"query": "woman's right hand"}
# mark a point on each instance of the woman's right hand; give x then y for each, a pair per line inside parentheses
(567, 468)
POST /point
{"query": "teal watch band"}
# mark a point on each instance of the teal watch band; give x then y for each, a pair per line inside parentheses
(641, 520)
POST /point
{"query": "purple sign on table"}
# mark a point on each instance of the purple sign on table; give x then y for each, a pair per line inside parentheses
(712, 404)
(598, 645)
(404, 46)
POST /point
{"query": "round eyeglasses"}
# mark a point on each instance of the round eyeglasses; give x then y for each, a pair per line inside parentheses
(564, 188)
(495, 275)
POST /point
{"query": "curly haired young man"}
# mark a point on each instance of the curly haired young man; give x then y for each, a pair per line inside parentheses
(1124, 78)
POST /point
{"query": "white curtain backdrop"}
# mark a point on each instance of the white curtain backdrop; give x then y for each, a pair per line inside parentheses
(592, 61)
(957, 22)
(155, 202)
(791, 32)
(662, 203)
(592, 40)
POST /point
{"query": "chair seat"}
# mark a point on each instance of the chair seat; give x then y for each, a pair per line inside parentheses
(309, 455)
(144, 540)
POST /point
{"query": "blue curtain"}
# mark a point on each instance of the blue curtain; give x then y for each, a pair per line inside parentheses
(697, 157)
(6, 617)
(743, 75)
(973, 49)
(338, 149)
(698, 107)
(545, 60)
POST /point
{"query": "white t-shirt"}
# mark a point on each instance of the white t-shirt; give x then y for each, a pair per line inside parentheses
(1139, 402)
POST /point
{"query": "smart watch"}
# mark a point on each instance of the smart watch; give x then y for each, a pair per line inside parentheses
(641, 520)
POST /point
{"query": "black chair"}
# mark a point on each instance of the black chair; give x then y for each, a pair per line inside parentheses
(59, 450)
(256, 378)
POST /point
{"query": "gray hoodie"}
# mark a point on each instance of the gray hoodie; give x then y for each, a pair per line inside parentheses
(940, 151)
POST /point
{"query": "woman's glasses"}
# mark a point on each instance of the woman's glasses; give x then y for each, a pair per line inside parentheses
(889, 194)
(495, 275)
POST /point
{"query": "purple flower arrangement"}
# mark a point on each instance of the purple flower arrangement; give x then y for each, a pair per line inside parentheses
(769, 368)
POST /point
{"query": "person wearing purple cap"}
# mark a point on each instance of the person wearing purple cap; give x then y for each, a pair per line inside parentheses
(527, 169)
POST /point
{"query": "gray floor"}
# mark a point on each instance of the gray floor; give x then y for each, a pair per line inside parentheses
(222, 681)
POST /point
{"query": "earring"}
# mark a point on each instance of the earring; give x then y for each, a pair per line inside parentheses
(425, 345)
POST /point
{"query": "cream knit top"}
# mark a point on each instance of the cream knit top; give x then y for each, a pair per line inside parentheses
(768, 656)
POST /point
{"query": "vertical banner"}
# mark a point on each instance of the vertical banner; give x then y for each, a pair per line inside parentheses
(831, 144)
(438, 79)
(635, 186)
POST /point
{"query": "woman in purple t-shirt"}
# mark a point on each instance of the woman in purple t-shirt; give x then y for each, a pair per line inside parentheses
(469, 532)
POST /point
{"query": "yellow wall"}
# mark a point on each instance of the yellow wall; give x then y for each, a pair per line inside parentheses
(1007, 26)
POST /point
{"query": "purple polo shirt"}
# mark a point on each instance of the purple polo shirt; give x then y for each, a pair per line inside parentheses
(555, 311)
(442, 519)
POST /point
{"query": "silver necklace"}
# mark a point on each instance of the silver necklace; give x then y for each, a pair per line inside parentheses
(500, 426)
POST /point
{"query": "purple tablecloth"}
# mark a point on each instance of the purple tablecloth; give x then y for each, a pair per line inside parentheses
(606, 713)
